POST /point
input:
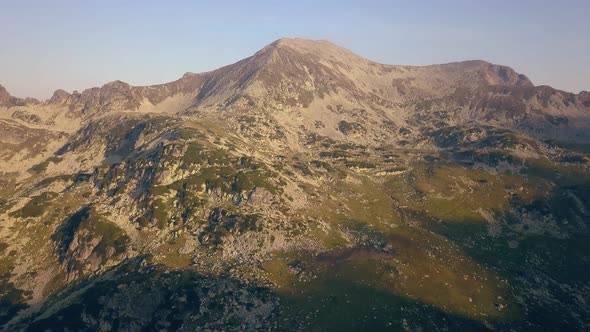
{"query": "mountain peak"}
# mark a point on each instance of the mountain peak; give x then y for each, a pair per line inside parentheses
(301, 42)
(7, 99)
(4, 95)
(59, 96)
(503, 75)
(117, 84)
(289, 70)
(317, 47)
(189, 74)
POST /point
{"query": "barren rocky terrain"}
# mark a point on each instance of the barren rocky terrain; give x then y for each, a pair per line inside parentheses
(304, 188)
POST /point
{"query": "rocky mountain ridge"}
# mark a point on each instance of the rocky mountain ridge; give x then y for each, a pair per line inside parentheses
(295, 73)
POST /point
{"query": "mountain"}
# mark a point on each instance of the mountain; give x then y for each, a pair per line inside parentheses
(302, 188)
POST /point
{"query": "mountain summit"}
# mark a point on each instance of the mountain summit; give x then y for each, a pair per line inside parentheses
(4, 95)
(304, 188)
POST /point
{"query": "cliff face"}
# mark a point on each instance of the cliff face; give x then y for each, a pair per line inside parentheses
(304, 187)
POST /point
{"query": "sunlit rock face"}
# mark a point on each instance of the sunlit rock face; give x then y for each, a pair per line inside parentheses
(302, 188)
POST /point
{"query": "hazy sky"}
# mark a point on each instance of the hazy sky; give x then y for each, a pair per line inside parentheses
(46, 45)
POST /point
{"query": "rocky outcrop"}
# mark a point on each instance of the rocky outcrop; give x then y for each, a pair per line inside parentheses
(59, 97)
(4, 95)
(9, 101)
(260, 197)
(86, 241)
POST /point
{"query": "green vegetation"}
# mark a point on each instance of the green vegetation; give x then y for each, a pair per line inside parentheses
(356, 237)
(160, 209)
(223, 223)
(305, 97)
(336, 154)
(359, 164)
(40, 168)
(139, 295)
(457, 193)
(219, 169)
(348, 128)
(379, 285)
(87, 225)
(36, 206)
(12, 299)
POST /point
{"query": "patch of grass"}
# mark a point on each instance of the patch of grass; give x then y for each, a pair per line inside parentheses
(335, 154)
(301, 167)
(362, 164)
(455, 193)
(305, 97)
(159, 212)
(12, 299)
(41, 167)
(368, 291)
(169, 255)
(348, 128)
(36, 206)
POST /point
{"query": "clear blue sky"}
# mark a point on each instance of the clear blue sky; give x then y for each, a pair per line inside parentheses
(46, 45)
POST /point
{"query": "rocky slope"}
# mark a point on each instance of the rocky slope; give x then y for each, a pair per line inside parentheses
(304, 187)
